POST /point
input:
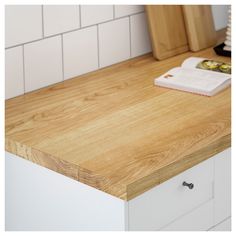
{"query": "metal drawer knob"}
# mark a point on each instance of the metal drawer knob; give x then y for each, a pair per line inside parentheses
(190, 185)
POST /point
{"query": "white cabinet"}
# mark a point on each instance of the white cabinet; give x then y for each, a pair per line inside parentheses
(40, 199)
(223, 226)
(199, 219)
(222, 186)
(170, 200)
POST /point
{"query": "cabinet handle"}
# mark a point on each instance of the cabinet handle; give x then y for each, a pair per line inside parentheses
(189, 185)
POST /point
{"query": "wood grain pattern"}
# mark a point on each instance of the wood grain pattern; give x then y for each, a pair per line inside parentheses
(114, 130)
(199, 26)
(167, 30)
(220, 35)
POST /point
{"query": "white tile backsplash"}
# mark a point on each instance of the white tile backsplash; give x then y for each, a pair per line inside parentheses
(114, 42)
(140, 40)
(14, 80)
(23, 23)
(94, 14)
(43, 63)
(80, 52)
(125, 10)
(60, 18)
(90, 36)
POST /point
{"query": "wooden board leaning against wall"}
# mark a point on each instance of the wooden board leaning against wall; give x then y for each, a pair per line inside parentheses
(175, 29)
(199, 26)
(167, 30)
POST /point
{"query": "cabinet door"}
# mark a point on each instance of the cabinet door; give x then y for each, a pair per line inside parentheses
(200, 219)
(170, 200)
(167, 30)
(38, 199)
(222, 188)
(223, 226)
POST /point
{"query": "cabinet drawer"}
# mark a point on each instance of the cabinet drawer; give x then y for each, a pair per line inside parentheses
(200, 219)
(223, 226)
(168, 201)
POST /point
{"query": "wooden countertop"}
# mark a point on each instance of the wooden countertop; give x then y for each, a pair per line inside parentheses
(114, 130)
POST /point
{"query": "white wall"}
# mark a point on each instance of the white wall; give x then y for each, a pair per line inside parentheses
(51, 43)
(220, 15)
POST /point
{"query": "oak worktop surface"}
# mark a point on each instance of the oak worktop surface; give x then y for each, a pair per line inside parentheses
(114, 130)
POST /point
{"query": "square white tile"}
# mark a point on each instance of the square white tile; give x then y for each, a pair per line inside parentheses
(140, 40)
(43, 63)
(94, 14)
(14, 79)
(60, 18)
(114, 42)
(80, 52)
(125, 10)
(23, 23)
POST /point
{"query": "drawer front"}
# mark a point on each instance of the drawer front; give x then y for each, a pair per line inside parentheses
(223, 226)
(200, 219)
(168, 201)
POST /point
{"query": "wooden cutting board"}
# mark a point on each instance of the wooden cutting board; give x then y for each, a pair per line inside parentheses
(199, 26)
(167, 30)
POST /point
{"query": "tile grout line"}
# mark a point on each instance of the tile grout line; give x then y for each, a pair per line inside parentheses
(70, 31)
(114, 16)
(62, 58)
(42, 23)
(80, 18)
(62, 45)
(99, 66)
(23, 60)
(130, 51)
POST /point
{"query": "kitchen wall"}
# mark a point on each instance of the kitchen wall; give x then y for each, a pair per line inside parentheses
(49, 44)
(220, 16)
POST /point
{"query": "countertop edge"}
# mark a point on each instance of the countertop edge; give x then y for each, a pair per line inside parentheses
(65, 168)
(138, 187)
(125, 193)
